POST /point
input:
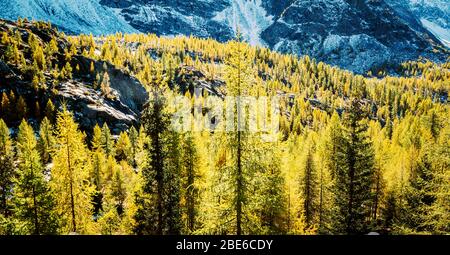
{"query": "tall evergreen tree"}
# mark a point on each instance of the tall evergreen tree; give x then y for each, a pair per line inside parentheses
(419, 194)
(34, 202)
(98, 170)
(419, 197)
(238, 76)
(354, 175)
(70, 176)
(189, 161)
(308, 184)
(159, 200)
(268, 187)
(327, 150)
(172, 183)
(437, 218)
(7, 171)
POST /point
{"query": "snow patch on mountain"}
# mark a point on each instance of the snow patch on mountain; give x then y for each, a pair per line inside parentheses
(441, 4)
(437, 11)
(74, 16)
(249, 17)
(361, 52)
(441, 33)
(149, 13)
(432, 15)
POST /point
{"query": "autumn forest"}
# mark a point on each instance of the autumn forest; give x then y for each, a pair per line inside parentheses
(350, 154)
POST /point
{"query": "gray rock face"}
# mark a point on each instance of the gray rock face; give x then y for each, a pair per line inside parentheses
(354, 34)
(357, 52)
(129, 90)
(90, 107)
(174, 17)
(192, 80)
(358, 35)
(433, 15)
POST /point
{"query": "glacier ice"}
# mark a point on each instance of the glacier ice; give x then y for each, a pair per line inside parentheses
(249, 17)
(441, 33)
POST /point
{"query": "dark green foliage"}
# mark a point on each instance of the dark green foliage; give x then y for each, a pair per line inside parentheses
(158, 203)
(189, 161)
(354, 174)
(7, 171)
(309, 189)
(34, 202)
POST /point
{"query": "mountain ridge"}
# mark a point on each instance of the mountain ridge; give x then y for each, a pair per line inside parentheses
(357, 35)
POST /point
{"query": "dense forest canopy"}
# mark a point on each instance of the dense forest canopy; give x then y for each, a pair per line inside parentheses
(353, 154)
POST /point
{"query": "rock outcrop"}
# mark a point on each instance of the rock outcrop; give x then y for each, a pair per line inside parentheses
(89, 106)
(188, 78)
(357, 35)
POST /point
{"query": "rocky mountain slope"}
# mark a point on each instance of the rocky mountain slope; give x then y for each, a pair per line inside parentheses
(71, 16)
(357, 35)
(74, 86)
(433, 15)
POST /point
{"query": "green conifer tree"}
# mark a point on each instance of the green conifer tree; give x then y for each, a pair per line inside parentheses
(34, 202)
(354, 174)
(158, 201)
(7, 171)
(189, 161)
